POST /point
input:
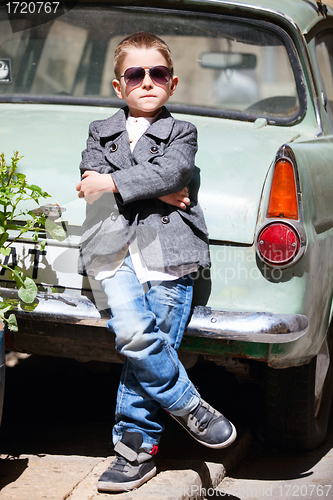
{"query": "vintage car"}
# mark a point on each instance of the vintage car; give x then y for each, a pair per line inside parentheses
(256, 78)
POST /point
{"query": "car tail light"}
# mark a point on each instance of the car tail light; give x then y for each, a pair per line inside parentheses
(283, 196)
(278, 243)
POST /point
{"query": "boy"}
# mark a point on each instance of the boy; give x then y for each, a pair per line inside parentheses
(143, 237)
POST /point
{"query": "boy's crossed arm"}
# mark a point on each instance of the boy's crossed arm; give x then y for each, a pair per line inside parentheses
(94, 184)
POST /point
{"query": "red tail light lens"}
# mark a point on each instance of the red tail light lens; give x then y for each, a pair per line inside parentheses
(278, 243)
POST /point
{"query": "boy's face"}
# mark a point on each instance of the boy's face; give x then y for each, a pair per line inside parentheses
(146, 98)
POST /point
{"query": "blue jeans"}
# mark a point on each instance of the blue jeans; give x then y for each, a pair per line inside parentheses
(149, 321)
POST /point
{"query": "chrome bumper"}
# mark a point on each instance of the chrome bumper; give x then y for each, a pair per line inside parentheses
(248, 327)
(74, 309)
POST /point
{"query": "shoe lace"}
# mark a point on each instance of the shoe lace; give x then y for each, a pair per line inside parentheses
(202, 416)
(119, 464)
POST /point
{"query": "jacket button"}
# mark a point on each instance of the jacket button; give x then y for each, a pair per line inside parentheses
(113, 216)
(154, 149)
(165, 219)
(113, 147)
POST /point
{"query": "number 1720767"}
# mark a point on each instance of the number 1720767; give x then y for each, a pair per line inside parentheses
(305, 490)
(32, 7)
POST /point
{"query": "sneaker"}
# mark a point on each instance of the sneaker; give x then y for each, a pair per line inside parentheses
(132, 467)
(208, 426)
(123, 475)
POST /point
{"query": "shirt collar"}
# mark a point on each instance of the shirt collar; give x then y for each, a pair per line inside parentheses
(161, 126)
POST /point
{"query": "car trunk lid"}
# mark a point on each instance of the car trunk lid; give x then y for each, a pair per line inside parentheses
(234, 158)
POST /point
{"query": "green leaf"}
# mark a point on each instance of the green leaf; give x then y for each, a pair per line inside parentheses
(5, 251)
(57, 232)
(12, 323)
(28, 292)
(3, 239)
(17, 275)
(15, 227)
(4, 308)
(4, 201)
(36, 190)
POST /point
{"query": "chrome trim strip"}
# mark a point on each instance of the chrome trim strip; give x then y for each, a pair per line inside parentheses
(313, 84)
(205, 322)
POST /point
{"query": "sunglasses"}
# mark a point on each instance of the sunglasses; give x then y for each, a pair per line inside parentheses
(159, 74)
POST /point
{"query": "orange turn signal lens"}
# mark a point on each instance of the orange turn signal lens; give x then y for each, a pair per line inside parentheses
(283, 196)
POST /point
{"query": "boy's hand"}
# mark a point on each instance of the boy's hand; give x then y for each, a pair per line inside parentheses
(94, 184)
(180, 199)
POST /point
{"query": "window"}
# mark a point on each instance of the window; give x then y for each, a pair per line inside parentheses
(225, 65)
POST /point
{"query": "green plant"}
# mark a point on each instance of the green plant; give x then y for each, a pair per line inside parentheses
(15, 223)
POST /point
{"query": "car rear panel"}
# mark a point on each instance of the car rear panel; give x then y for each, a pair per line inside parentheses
(51, 138)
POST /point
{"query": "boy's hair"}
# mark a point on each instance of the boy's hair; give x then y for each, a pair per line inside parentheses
(139, 40)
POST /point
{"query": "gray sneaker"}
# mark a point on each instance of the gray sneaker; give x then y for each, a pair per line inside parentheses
(123, 475)
(208, 426)
(131, 468)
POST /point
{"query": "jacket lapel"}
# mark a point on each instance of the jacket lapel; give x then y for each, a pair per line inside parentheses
(162, 126)
(117, 148)
(115, 124)
(149, 145)
(114, 134)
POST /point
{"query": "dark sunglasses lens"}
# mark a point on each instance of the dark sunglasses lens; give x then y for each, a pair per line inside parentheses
(160, 74)
(133, 76)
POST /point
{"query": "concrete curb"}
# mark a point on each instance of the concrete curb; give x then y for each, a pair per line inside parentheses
(175, 479)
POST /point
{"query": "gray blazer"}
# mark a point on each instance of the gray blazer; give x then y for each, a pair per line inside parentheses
(161, 163)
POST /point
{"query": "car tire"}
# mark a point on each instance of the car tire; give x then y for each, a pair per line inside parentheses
(296, 418)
